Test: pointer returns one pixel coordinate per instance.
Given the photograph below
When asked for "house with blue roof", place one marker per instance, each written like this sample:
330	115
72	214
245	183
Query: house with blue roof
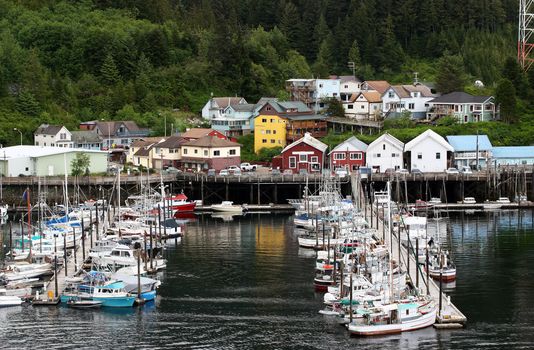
513	155
465	150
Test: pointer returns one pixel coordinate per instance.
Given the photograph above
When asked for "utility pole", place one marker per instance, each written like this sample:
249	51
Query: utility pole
352	66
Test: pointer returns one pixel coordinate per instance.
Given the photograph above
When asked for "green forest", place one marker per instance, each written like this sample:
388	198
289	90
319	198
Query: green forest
71	61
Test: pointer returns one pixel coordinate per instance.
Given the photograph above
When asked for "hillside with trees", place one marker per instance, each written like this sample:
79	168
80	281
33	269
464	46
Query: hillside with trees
71	61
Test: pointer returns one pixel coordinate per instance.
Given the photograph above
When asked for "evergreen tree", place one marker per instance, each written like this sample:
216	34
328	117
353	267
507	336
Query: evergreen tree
323	65
109	71
451	74
27	104
290	23
335	108
513	73
506	98
354	55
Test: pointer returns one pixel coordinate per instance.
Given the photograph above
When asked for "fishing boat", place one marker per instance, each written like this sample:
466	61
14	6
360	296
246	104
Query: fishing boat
110	294
447	273
228	207
21	271
394	318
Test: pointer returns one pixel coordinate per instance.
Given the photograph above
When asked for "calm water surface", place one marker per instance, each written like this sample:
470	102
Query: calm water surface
245	284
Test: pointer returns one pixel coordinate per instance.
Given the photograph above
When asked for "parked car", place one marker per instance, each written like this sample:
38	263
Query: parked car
452	171
224	172
288	172
233	168
237	172
417	172
341	172
465	170
402	171
211	172
172	170
248	167
389	171
303	172
275	172
503	200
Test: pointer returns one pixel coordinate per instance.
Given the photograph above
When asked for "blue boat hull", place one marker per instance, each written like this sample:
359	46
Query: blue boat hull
149	296
106	302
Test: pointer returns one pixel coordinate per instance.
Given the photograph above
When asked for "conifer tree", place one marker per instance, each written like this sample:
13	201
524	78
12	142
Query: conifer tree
109	71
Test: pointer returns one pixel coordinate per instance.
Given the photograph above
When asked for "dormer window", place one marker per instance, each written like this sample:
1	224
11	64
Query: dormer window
391	94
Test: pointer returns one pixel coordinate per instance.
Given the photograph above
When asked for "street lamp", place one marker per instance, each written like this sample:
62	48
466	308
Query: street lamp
20	132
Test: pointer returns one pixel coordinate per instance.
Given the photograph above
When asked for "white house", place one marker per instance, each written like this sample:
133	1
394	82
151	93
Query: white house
386	152
407	98
365	105
53	136
348	86
215	107
428	152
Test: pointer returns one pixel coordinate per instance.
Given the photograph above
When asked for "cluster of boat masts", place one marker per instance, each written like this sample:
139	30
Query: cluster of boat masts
122	262
365	289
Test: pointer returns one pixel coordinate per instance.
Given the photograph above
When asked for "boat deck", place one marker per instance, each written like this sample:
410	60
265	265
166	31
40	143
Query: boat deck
450	314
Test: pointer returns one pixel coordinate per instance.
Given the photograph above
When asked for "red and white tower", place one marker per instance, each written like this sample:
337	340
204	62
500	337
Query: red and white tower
525	41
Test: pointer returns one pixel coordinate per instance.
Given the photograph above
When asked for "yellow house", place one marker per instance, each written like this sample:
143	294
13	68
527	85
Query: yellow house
269	132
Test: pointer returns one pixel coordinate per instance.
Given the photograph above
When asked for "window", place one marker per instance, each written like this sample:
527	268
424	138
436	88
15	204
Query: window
52	144
315	159
391	94
393	155
419	155
320	85
273	141
63	136
350	106
268	132
303	158
321	105
292	162
264	120
206	152
185	150
335	94
378	155
384	147
362	107
339	156
36	143
264	141
272	121
268	108
196	151
438	155
216	153
411	105
346	86
27	169
274	131
356	156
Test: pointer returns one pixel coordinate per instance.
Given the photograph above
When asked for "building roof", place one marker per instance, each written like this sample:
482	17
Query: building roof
378	85
112	127
513	152
429	133
172	142
244	107
85	136
211	141
387	137
29	151
425	90
223	102
196	133
464	143
45	129
309	140
145	141
351	144
372	96
460	97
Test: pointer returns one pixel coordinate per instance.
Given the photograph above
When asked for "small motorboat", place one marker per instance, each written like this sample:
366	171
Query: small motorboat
84	304
9	300
229	207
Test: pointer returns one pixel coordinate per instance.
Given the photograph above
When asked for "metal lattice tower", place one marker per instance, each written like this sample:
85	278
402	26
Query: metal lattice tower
525	42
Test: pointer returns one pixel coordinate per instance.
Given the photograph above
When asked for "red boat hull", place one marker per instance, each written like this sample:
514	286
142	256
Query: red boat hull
184	208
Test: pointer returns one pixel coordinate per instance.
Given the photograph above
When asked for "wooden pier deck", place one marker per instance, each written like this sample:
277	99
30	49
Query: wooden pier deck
449	314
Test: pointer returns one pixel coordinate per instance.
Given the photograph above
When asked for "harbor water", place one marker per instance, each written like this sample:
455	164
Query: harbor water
245	284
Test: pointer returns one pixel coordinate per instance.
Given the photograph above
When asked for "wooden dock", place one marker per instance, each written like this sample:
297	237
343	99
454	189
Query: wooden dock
449	314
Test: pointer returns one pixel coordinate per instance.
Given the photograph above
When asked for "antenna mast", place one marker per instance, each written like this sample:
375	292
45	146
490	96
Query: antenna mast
525	29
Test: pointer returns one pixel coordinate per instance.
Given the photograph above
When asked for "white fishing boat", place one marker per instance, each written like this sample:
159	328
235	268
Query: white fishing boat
21	271
228	207
394	318
9	300
123	256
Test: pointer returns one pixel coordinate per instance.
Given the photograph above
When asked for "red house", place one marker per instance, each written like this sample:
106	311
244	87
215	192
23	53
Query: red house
349	154
307	153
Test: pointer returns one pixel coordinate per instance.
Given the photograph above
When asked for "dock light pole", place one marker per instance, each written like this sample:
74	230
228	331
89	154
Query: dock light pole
20	132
